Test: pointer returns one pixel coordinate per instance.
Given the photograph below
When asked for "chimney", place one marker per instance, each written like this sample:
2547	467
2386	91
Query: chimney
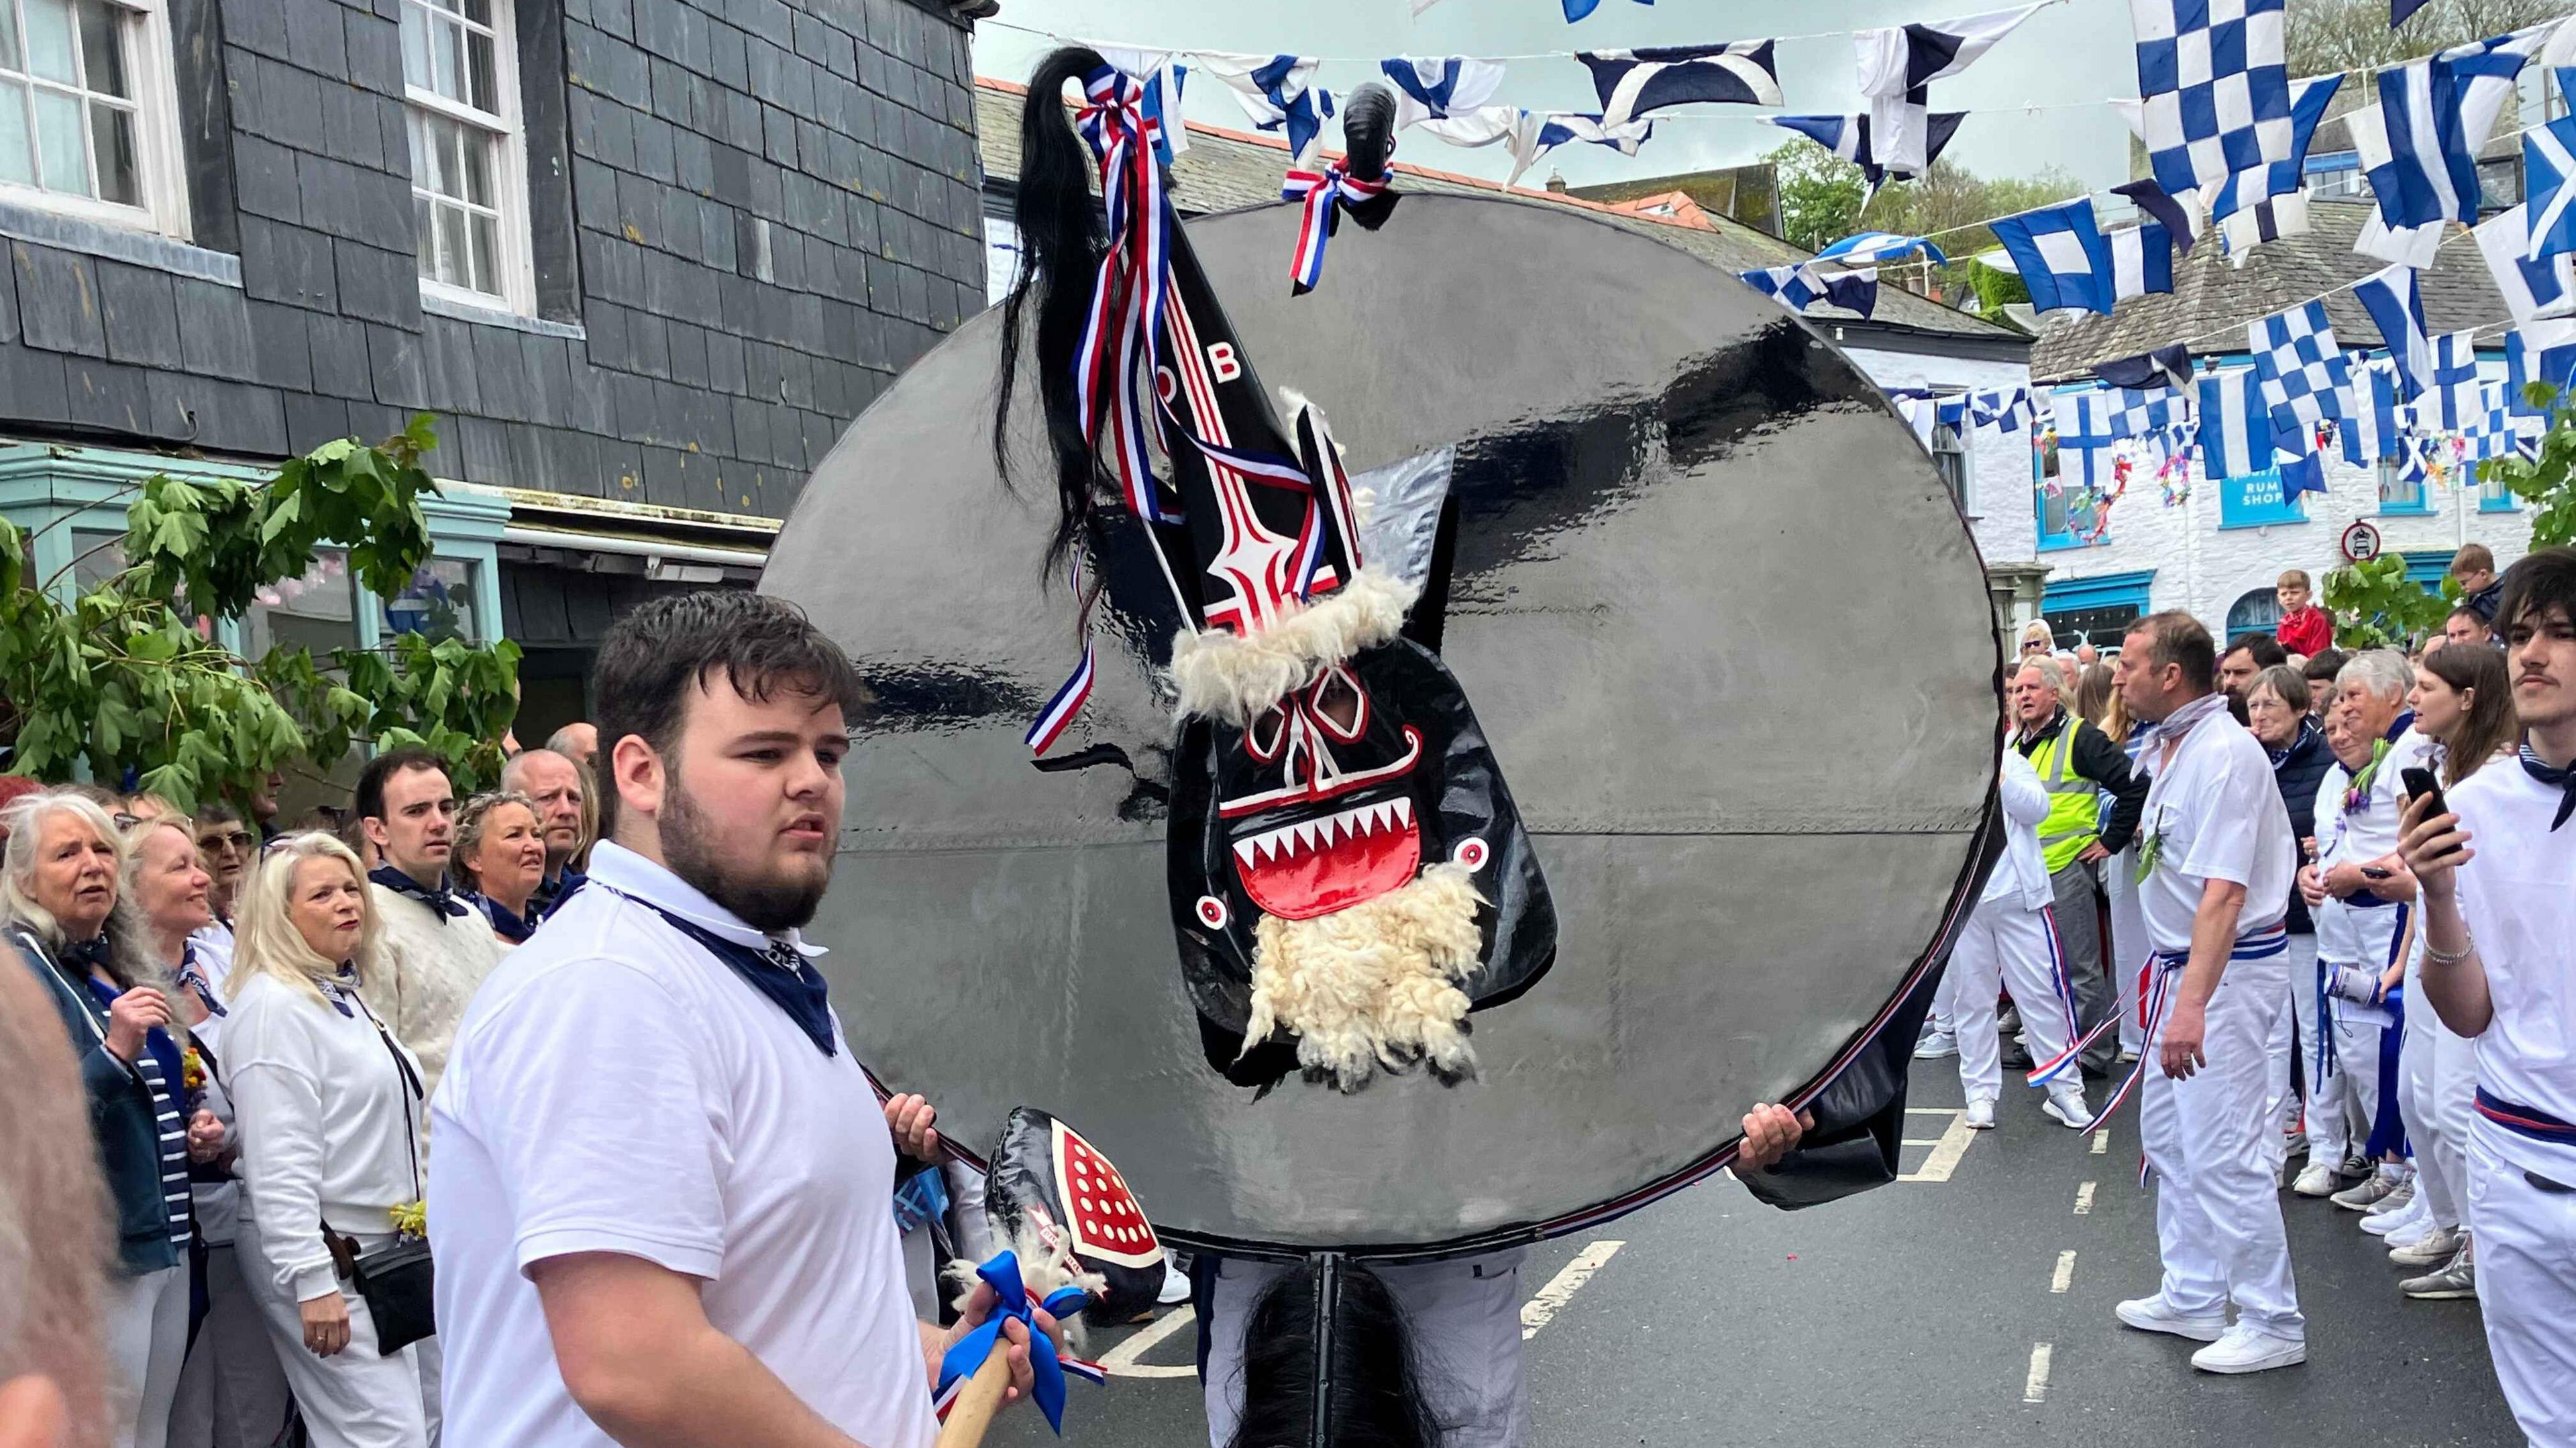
1556	183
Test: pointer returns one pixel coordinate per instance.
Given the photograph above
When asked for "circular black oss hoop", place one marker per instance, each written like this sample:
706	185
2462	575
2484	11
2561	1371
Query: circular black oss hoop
1721	623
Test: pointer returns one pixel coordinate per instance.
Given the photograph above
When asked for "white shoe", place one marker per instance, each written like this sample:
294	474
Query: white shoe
2404	1219
2317	1181
2249	1349
2154	1314
1935	1045
2065	1104
1176	1285
1981	1115
2429	1247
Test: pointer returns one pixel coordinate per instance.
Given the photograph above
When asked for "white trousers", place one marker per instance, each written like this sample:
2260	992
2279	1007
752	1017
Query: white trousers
2343	1091
2526	1286
1465	1316
2213	1150
2002	942
147	1338
232	1393
2129	942
355	1398
2281	1096
2437	1095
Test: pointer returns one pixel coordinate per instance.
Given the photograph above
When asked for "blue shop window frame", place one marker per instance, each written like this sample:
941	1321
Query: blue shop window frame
2255	501
2426	568
2421	506
2063	535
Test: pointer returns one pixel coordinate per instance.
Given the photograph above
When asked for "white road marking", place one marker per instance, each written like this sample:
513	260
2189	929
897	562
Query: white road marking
2084	1200
1120	1361
1946	1152
2064	1277
1943	1111
2034	1389
2102	1141
1561	1288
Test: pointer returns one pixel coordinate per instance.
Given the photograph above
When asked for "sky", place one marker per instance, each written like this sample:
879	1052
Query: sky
2075	50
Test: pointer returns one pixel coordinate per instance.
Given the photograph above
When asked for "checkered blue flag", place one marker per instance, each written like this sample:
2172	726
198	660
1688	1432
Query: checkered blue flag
2303	368
2213	89
1799	287
2277	178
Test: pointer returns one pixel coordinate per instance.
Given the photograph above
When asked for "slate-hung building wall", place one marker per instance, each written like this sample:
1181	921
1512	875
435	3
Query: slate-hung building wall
653	254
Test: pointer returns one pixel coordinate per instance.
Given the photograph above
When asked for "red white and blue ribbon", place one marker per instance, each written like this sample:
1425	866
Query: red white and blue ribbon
1116	363
2044	1072
1047	1371
1324	192
1075	691
2157	980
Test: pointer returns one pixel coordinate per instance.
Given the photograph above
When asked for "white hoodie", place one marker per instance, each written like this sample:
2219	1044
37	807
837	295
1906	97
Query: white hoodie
2023	868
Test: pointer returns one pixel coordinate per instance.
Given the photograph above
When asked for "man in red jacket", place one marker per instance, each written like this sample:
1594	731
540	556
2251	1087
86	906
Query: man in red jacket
2305	628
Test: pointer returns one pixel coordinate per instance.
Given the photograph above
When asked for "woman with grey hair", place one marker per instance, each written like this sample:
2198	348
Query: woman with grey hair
58	886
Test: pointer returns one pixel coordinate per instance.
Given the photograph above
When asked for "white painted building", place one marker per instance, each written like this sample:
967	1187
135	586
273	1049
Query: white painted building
2217	549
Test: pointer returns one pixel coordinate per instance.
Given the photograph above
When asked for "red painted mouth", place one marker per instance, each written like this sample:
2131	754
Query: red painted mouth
1330	862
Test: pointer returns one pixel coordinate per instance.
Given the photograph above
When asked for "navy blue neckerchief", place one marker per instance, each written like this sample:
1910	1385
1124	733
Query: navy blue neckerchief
2307	726
505	924
193	976
780	973
442	902
2554	777
551	894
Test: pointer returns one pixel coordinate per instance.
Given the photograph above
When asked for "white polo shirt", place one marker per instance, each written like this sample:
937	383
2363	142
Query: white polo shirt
616	1088
2518	898
2214	813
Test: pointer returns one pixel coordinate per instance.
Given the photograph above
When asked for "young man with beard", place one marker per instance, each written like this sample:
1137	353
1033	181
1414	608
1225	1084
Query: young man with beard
554	781
2215	885
2498	879
663	1208
440	948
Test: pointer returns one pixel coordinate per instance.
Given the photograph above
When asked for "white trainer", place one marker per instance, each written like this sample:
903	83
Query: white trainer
1935	1045
2317	1181
2154	1314
1176	1285
2065	1104
2430	1247
2406	1218
2249	1349
1981	1115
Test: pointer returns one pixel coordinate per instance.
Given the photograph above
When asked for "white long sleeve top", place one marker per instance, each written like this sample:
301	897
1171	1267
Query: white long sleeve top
2023	870
323	1113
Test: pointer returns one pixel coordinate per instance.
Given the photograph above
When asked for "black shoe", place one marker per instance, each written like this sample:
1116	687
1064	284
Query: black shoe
2015	1058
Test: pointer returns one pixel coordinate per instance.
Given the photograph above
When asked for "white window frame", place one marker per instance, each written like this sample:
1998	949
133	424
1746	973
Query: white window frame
1952	443
516	263
162	171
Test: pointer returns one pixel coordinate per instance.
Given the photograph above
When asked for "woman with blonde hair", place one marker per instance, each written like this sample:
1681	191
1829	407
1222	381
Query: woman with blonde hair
499	861
330	1114
59	879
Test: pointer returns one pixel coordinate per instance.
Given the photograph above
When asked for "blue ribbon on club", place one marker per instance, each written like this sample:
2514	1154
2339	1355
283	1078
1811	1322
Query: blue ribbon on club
1002	1274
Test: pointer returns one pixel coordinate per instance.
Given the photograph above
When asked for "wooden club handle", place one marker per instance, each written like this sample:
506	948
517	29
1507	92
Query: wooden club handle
972	1414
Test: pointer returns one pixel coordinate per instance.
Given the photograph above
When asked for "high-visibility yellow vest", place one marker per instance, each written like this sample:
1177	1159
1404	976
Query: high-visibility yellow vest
2074	802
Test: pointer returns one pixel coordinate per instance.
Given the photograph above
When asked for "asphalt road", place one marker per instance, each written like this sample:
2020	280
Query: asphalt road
1970	1304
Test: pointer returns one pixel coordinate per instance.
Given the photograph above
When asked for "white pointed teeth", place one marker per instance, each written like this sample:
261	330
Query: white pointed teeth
1291	840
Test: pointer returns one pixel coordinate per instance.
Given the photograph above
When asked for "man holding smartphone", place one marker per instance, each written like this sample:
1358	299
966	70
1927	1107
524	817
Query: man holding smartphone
2497	870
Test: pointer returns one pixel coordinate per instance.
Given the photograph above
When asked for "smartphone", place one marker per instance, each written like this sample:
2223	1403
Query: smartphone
2420	781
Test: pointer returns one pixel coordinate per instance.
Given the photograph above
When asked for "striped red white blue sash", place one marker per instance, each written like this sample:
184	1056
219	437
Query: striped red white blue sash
2528	1121
2158	978
1324	192
2043	1072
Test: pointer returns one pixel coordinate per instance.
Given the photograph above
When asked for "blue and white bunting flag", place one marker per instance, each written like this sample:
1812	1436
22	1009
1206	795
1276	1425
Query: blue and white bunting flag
2549	187
1632	83
1530	135
2418	145
2084	435
2294	452
2165	366
1898	64
1430	88
2182	222
2545	288
2452	405
2491	432
1278	92
1579	9
2214	89
2000	408
1849	138
2241	189
1163	75
2303	367
2371	428
2267	220
2141	260
2539	352
2161	414
2062	257
1868	248
2396	304
2235	426
1799	287
2398	10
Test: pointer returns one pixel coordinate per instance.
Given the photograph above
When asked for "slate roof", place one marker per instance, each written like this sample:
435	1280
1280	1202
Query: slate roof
2212	301
1227	170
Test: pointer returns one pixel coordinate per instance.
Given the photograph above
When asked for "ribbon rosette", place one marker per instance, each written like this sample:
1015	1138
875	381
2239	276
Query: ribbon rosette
1002	1274
1325	192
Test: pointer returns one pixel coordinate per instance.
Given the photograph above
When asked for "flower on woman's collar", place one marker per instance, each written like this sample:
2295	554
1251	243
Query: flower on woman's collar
411	1220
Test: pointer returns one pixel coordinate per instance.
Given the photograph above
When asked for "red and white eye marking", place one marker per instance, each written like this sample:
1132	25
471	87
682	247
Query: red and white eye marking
1212	912
1263	738
1471	852
1338	705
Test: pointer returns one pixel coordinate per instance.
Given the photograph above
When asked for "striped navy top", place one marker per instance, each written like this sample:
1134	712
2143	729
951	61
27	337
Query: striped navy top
160	1068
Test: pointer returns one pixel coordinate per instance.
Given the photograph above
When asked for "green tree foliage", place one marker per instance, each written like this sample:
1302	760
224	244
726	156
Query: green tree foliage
1820	193
1824	198
128	676
2549	484
2375	605
2326	36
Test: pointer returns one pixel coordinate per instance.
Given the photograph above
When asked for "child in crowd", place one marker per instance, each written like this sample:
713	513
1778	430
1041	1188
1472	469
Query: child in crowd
2305	628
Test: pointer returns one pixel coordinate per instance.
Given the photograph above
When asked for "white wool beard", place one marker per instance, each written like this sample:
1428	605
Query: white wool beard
1375	984
1234	677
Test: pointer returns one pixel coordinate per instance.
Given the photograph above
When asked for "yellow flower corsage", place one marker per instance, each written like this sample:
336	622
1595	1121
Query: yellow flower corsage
192	1070
411	1219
